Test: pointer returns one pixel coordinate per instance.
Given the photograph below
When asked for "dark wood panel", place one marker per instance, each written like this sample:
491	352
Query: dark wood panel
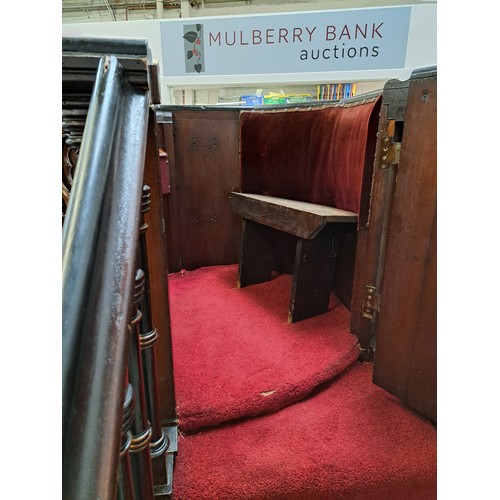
344	267
422	390
204	230
256	262
408	260
369	260
157	263
166	141
313	274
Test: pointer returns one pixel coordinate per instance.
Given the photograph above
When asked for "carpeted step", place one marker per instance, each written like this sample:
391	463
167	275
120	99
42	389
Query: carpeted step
349	440
235	354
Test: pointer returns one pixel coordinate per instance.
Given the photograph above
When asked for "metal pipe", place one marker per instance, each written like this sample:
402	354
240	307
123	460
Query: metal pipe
159	9
185	8
132	6
110	10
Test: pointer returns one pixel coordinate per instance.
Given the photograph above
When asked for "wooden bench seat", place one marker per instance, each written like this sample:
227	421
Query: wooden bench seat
299	218
315	229
322	155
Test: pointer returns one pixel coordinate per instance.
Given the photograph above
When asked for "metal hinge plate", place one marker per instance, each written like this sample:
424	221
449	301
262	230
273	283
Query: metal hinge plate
390	153
164	490
164	117
371	301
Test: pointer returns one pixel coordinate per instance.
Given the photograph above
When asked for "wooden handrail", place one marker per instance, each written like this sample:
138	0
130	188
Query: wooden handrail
113	439
96	313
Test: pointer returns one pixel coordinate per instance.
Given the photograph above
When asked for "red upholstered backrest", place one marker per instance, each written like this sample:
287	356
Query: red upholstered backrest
318	155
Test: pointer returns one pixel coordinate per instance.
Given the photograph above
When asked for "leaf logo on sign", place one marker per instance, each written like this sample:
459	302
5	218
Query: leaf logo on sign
194	37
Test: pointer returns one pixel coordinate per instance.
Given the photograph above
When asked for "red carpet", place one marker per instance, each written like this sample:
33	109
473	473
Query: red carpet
351	440
234	353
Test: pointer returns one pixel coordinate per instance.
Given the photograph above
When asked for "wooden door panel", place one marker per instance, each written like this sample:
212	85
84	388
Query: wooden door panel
421	389
204	231
405	356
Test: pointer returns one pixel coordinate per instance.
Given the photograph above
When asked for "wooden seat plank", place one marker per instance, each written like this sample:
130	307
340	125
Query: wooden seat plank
299	218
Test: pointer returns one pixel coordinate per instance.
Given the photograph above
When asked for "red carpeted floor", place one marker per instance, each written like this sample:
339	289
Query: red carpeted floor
351	440
332	433
236	355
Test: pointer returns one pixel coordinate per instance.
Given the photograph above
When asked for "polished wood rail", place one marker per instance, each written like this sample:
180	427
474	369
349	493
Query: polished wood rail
118	410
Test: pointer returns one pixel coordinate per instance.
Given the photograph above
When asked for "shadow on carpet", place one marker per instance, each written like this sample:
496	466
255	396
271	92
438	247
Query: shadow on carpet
235	355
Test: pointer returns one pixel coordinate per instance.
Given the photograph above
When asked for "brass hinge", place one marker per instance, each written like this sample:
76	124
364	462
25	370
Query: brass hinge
371	301
390	153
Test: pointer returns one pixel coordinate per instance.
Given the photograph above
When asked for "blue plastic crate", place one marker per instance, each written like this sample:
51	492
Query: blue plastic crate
252	100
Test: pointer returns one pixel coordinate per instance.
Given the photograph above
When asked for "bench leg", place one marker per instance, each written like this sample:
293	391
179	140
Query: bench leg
313	275
256	254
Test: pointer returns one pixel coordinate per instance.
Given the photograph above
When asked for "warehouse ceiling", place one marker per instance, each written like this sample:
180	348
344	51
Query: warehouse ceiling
127	10
114	10
149	8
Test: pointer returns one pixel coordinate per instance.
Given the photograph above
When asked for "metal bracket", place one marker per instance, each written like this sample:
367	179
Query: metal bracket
164	116
390	153
371	301
166	489
395	97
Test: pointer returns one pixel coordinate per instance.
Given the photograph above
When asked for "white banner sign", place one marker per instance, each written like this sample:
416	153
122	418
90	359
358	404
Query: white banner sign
337	40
